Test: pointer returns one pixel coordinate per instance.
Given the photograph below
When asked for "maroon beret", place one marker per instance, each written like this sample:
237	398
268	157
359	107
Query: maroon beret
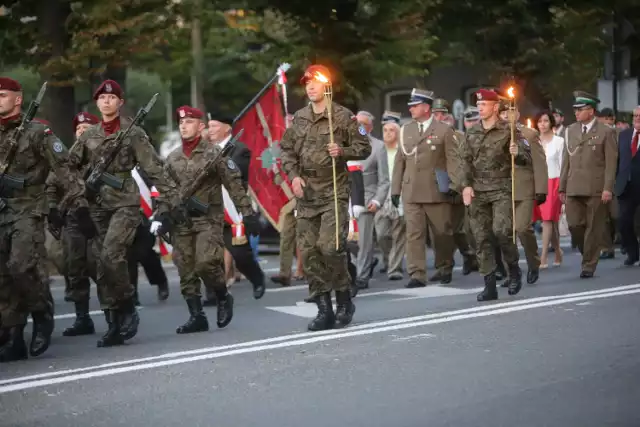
9	84
84	118
108	86
312	73
487	95
187	111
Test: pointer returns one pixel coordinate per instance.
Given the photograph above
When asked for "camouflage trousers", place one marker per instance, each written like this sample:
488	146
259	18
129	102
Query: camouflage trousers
80	264
198	253
116	232
491	212
24	286
287	243
325	266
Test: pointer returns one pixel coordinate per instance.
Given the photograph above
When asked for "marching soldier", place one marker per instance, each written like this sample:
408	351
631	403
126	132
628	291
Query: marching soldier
115	210
198	248
306	158
23	287
531	185
588	173
426	159
486	183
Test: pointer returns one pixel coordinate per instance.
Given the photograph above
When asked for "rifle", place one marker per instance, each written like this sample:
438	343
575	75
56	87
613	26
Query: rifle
8	181
96	175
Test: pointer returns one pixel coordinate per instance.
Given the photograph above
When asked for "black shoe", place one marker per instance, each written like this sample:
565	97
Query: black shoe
325	319
345	309
515	279
259	290
41	335
14	348
362	284
197	320
607	255
374	263
281	280
415	283
445	278
112	337
436	277
532	276
225	310
83	324
129	320
630	260
490	291
163	291
383	270
586	274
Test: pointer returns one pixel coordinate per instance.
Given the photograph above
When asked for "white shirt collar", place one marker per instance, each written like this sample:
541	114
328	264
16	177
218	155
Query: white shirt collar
425	125
224	141
588	125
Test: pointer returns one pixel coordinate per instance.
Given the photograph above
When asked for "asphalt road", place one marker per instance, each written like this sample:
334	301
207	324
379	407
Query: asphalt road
564	352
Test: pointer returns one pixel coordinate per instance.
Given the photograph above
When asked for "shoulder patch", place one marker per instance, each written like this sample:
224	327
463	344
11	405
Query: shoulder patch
362	131
57	147
48	131
231	164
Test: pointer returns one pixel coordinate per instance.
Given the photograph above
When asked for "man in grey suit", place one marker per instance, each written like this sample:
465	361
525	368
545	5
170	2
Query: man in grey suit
375	173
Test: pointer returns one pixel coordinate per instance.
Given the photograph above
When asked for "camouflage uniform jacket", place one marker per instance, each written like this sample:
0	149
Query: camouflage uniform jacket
38	153
305	154
224	172
136	150
485	157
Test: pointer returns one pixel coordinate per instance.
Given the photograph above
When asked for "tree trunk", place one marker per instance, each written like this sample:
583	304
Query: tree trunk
59	103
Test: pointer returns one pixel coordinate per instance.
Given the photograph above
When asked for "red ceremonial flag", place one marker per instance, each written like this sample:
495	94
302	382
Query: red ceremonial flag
264	125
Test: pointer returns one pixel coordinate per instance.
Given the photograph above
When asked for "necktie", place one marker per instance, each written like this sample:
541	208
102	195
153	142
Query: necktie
421	127
634	144
584	130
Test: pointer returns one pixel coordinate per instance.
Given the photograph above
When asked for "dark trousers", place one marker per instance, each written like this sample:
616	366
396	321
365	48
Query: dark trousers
628	203
244	259
142	252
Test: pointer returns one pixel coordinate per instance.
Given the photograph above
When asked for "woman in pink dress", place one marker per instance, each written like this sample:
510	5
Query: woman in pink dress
549	211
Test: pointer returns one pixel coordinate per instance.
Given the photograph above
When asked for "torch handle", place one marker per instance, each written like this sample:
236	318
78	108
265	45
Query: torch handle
335	179
512	123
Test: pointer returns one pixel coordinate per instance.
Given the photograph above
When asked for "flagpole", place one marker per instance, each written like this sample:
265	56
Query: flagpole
285	67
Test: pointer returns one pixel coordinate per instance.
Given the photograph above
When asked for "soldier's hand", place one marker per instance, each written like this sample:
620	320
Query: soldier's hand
334	150
513	149
468	195
395	200
606	196
563	197
85	223
298	184
372	207
541	198
54	218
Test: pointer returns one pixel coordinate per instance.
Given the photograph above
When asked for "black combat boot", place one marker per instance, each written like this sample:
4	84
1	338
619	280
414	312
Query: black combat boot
490	291
197	320
259	290
225	309
83	324
469	265
14	348
42	330
112	336
163	291
345	309
515	279
129	319
325	318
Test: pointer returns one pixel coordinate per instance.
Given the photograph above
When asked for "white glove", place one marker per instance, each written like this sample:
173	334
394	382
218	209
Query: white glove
357	210
155	226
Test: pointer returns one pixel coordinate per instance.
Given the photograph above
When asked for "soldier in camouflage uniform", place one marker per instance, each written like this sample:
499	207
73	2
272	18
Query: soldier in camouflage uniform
486	183
23	287
116	212
306	158
78	261
198	250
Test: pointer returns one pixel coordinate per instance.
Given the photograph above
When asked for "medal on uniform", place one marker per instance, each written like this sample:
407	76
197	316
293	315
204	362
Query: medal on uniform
433	148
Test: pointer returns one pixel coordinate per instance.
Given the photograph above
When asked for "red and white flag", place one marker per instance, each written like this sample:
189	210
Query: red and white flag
145	202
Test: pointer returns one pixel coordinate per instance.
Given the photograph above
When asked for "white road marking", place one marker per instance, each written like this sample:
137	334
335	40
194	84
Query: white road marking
72	315
69	375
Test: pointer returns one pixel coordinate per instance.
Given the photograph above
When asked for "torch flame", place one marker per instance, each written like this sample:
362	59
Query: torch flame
529	123
321	77
511	92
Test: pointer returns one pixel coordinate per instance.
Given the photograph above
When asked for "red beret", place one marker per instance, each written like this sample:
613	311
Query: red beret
187	111
9	84
108	86
487	95
84	118
312	73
